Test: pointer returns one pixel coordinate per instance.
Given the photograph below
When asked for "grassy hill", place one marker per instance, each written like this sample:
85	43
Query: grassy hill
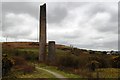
69	60
35	46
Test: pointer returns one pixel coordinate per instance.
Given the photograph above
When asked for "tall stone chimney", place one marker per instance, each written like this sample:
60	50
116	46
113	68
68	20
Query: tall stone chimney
42	35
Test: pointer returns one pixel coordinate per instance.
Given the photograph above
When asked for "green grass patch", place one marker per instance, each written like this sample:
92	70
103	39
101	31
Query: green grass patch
29	49
36	74
107	73
55	69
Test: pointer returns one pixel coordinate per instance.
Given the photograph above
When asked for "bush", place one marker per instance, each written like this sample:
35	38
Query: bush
71	61
7	64
92	65
21	65
27	55
116	62
30	56
19	60
101	60
28	68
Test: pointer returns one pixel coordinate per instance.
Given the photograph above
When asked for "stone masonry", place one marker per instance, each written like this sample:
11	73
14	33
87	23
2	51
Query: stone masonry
51	51
42	37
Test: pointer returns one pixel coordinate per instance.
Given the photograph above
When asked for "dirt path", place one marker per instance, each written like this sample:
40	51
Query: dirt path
61	77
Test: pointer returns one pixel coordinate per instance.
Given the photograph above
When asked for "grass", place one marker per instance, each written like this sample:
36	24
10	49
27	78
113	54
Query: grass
30	49
37	50
107	73
43	74
52	68
60	52
33	53
103	73
36	74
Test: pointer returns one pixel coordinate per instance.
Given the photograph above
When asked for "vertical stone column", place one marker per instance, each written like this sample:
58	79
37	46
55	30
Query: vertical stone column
51	51
42	37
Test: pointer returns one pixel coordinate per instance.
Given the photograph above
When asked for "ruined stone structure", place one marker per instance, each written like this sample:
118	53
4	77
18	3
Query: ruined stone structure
51	51
42	37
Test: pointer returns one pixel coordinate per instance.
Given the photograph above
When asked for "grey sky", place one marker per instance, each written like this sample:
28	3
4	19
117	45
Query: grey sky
82	24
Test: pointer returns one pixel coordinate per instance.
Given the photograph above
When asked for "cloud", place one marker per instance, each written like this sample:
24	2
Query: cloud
82	24
85	30
101	22
20	26
31	8
56	13
0	15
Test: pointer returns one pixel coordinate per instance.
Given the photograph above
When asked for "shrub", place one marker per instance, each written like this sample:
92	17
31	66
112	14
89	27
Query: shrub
21	65
27	55
28	68
30	56
71	61
19	60
7	64
92	65
101	60
116	62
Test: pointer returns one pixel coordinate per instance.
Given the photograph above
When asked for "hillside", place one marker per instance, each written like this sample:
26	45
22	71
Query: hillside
69	60
14	45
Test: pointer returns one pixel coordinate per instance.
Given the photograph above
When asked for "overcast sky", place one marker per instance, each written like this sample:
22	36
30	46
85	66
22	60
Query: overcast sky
86	25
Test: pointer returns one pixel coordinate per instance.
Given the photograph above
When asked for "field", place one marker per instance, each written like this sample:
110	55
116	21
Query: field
68	64
107	73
